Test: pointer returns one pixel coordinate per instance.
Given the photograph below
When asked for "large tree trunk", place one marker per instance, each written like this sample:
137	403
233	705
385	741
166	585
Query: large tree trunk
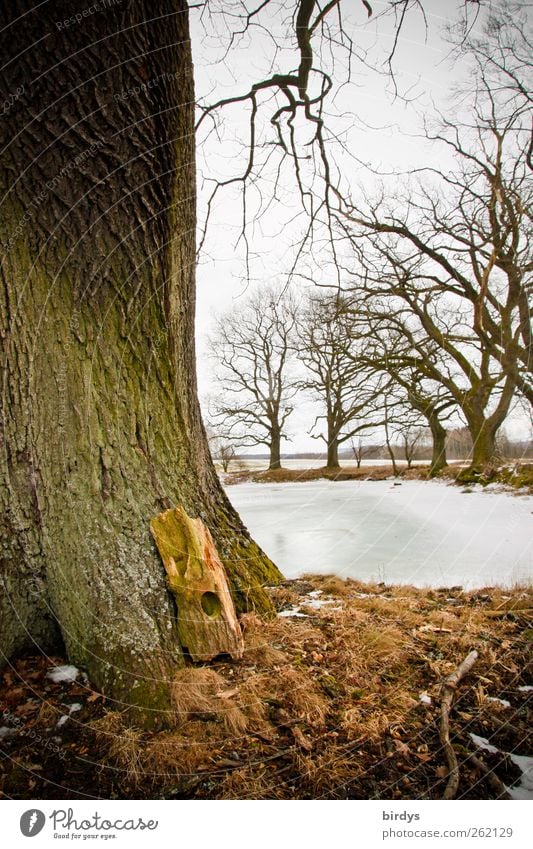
275	449
100	424
483	444
333	454
484	429
438	453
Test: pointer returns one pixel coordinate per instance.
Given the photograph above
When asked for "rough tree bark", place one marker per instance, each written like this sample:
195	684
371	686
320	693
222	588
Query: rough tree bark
100	423
484	449
333	453
438	452
484	428
275	449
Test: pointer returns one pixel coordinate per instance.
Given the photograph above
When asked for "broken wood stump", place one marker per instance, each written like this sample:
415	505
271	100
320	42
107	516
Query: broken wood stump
207	622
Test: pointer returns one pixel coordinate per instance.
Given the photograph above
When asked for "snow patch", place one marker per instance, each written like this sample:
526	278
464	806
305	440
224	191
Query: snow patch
526	688
317	603
290	612
524	789
7	732
483	743
71	709
63	674
503	702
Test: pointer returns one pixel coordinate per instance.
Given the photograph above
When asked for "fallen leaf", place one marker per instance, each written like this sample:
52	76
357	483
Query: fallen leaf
94	696
402	748
301	739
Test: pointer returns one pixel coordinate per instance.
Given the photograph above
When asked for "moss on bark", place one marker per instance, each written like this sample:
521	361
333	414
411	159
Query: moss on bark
101	425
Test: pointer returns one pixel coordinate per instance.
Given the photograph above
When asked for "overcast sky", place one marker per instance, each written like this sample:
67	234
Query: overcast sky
377	127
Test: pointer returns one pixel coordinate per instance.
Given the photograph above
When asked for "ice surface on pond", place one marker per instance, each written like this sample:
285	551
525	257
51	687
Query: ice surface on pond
422	533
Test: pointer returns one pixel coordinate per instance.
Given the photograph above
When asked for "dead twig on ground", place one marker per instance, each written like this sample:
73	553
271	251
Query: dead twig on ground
492	779
448	691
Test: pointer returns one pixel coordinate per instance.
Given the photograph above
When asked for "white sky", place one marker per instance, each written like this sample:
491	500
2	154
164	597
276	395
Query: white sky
422	67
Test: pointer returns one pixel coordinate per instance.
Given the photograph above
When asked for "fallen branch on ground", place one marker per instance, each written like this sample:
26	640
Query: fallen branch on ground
492	779
448	690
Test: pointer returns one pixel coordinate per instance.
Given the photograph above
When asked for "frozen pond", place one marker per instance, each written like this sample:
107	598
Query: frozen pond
422	533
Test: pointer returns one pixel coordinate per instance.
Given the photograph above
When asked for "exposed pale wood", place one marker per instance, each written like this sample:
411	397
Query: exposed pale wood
448	690
207	622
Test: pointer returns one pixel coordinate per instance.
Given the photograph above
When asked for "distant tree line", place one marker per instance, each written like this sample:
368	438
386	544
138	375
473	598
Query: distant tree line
277	349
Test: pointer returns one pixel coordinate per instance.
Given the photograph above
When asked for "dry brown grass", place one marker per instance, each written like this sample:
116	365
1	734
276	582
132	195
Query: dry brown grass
297	692
109	725
201	691
254	782
123	744
182	752
514	475
302	475
318	703
258	648
276	639
335	586
48	714
196	690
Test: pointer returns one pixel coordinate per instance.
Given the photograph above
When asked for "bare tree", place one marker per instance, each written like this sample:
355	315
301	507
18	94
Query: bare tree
335	374
411	437
459	443
290	108
443	350
222	448
388	435
226	454
390	349
253	350
359	450
100	423
453	253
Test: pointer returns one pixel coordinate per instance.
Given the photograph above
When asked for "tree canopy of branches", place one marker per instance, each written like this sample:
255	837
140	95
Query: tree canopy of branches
451	256
289	109
252	348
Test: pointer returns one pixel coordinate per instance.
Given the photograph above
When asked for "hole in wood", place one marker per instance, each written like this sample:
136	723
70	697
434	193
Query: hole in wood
211	605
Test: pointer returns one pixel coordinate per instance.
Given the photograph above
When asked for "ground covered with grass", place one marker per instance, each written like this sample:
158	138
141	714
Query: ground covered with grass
337	696
512	475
